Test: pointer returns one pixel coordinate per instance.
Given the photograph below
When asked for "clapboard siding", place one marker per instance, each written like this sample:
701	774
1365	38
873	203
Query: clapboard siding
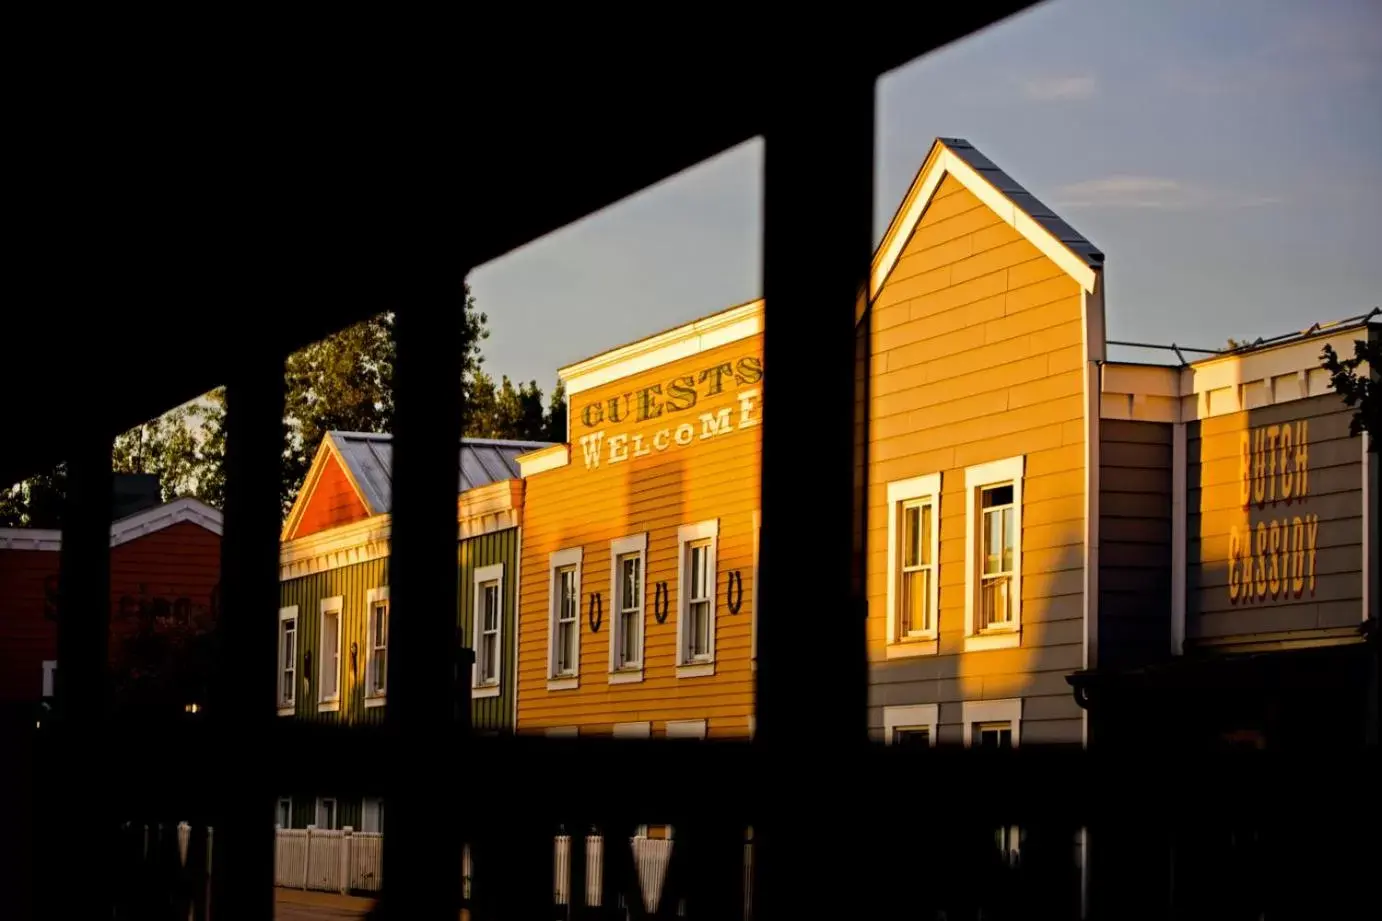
977	355
1134	542
27	636
489	713
334	502
352	583
572	506
1333	504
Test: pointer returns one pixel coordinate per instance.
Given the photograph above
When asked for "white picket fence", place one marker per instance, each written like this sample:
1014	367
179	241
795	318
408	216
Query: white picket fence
331	860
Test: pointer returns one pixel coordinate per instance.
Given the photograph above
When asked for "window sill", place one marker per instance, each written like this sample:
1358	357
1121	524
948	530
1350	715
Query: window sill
908	649
696	670
285	709
329	706
1007	639
375	701
488	690
563	684
626	676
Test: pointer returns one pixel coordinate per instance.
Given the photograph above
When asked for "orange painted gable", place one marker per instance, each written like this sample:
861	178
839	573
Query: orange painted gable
332	501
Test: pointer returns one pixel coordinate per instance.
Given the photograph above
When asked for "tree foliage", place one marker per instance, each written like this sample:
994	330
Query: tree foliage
513	412
1359	389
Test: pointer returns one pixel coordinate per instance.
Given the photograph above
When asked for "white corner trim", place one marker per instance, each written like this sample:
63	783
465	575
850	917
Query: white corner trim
633	730
977	477
557	559
900	491
517	624
941	161
535	462
685	729
483	575
1179	519
623	546
333	605
1092	330
703	530
913	716
992	711
692	338
30	539
372	597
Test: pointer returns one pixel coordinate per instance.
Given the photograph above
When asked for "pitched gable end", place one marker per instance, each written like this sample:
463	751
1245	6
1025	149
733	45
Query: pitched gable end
328	498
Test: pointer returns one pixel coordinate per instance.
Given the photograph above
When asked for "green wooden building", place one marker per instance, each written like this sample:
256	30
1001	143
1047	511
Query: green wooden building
333	650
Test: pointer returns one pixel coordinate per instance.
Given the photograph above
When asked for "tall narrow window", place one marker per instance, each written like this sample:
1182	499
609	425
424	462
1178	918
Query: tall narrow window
326	813
287	659
996	556
627	592
372	814
913	555
696	599
285	812
993	580
564	646
488	630
329	681
377	647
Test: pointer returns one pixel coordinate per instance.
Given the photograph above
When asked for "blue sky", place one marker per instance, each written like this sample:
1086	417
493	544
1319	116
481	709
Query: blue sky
1227	158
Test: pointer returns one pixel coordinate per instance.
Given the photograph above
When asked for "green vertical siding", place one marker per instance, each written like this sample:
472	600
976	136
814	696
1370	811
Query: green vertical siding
492	713
352	583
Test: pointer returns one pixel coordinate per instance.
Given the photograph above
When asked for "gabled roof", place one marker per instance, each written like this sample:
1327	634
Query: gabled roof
367	459
131	527
1022	210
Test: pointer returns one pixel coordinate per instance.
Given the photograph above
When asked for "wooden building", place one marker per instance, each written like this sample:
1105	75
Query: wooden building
333	633
640	540
165	566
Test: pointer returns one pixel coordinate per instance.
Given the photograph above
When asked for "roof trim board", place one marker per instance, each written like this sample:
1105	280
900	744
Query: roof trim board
998	191
129	528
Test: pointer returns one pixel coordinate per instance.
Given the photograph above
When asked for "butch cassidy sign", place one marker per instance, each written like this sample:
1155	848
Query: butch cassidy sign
1274	559
708	403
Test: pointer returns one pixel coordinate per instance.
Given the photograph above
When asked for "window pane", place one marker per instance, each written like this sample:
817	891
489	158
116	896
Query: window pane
911	527
915	600
924	551
998	495
1009	539
381	662
700	626
993	542
629	626
920	738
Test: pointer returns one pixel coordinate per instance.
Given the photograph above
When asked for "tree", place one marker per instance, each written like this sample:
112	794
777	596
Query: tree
1359	390
514	412
35	502
184	447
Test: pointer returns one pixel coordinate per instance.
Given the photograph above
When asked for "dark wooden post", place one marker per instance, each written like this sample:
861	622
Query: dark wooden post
244	680
818	194
82	683
422	851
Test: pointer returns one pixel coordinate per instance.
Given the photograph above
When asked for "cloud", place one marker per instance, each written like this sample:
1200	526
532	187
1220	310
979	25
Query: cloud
1155	193
1060	89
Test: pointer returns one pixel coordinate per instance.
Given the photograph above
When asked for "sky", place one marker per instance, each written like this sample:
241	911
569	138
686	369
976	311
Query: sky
1226	157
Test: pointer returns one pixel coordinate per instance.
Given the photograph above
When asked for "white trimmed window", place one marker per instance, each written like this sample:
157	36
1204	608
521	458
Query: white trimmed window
564	619
50	667
992	723
287	659
285	812
377	646
627	592
372	814
329	681
993	555
910	725
633	730
488	630
913	565
696	580
327	816
685	729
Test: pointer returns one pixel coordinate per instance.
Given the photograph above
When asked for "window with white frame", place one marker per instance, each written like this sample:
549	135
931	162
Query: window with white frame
326	813
993	724
287	659
564	619
377	646
372	814
329	681
910	725
993	553
488	630
285	812
913	557
640	730
685	729
696	580
628	557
